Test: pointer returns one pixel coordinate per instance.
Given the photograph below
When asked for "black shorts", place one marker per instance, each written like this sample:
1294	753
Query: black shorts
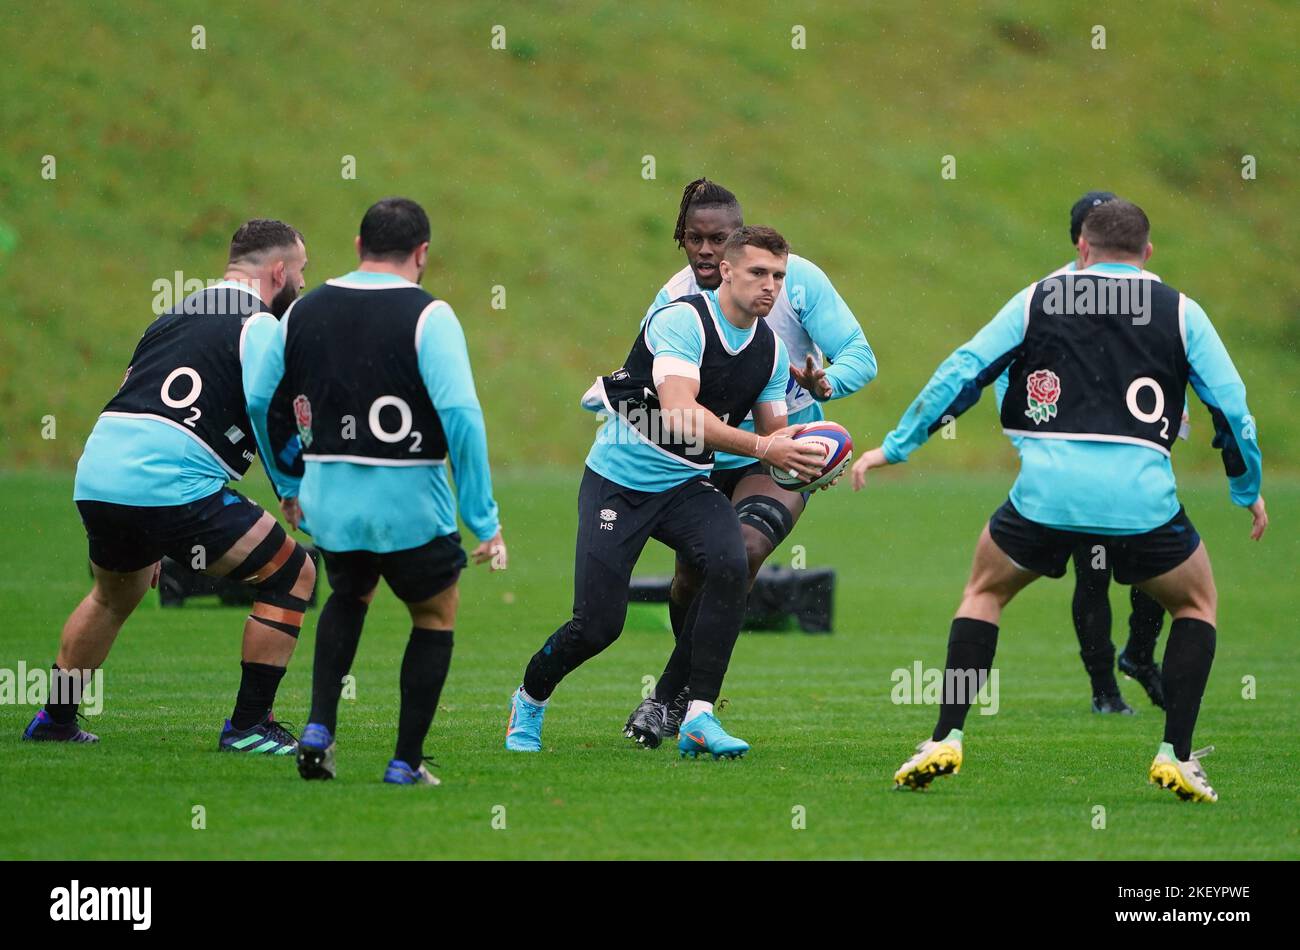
726	480
126	538
413	574
1134	558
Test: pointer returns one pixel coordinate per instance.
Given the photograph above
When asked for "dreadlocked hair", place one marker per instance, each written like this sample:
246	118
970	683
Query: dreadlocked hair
702	193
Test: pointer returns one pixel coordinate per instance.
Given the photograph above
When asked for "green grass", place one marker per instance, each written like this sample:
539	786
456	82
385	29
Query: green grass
817	710
530	159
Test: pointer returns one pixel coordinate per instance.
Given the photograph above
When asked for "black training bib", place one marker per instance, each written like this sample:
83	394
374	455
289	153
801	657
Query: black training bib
351	364
187	372
730	382
1104	360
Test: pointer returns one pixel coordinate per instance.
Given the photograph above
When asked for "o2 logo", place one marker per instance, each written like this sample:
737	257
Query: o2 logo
403	430
1157	411
187	401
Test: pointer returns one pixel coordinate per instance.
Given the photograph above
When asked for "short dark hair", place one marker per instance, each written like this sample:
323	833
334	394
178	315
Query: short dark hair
254	238
1118	226
1083	207
755	235
703	193
392	229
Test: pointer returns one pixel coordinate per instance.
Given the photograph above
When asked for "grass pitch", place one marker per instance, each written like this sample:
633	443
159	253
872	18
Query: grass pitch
817	710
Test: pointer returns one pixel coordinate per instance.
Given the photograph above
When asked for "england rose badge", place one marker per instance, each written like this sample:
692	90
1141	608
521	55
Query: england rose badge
1044	390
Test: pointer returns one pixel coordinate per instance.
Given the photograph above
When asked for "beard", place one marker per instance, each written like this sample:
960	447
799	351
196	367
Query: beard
281	301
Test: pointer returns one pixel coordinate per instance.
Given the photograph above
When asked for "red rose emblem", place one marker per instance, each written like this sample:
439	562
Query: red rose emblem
302	415
1044	386
1044	389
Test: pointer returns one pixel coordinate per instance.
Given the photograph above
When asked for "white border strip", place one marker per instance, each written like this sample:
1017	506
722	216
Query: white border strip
1182	319
419	324
386	285
1090	437
365	460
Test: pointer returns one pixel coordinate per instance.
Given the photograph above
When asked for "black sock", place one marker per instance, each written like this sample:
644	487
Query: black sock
1144	624
971	645
63	686
338	631
1090	610
424	670
1188	657
677	672
257	686
1100	664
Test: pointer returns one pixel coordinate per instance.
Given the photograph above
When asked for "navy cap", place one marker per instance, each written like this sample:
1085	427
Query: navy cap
1083	206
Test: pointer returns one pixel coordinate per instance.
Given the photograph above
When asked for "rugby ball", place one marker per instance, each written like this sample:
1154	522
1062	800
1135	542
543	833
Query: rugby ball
838	445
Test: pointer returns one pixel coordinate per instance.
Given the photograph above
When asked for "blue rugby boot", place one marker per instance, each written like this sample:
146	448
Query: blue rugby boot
524	730
268	737
401	773
316	753
44	729
705	734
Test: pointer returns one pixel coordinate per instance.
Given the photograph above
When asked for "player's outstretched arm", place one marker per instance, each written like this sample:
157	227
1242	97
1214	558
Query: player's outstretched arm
836	331
1217	383
445	368
975	364
872	458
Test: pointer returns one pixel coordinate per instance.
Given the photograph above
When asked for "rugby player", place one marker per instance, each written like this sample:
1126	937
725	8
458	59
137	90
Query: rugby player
152	482
1090	607
815	324
697	365
1095	393
382	393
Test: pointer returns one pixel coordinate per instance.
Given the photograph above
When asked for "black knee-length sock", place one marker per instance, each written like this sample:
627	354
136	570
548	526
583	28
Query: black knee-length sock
1188	658
971	645
424	670
257	687
1144	622
338	631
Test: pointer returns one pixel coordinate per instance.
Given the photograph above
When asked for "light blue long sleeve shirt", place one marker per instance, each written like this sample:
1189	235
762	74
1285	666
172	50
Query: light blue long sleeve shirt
622	454
353	507
808	309
1080	485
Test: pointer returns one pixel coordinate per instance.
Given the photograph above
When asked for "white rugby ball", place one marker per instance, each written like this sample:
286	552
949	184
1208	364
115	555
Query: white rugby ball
838	446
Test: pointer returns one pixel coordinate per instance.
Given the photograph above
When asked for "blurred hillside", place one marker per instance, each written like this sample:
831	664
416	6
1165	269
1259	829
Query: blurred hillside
530	161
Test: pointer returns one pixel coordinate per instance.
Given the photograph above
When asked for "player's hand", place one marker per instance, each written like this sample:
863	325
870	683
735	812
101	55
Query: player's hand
292	512
493	552
812	378
800	459
875	458
157	575
1259	519
832	483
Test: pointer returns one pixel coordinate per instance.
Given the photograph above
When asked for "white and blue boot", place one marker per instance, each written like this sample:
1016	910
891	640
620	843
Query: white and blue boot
524	731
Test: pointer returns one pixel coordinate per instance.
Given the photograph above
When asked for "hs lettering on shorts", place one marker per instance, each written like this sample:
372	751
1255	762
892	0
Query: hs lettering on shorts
134	904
